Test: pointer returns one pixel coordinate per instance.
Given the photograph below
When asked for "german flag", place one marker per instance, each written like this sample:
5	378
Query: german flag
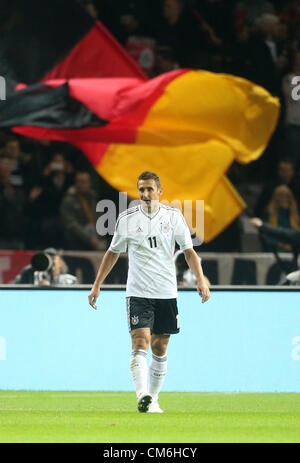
188	126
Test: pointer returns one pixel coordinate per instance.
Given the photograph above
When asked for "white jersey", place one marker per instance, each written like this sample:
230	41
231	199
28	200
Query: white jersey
150	242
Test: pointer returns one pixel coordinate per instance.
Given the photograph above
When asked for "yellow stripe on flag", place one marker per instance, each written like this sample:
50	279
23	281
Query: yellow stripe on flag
200	105
188	172
221	207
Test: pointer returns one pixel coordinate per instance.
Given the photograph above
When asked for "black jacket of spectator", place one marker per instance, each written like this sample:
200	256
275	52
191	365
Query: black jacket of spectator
286	235
261	67
185	38
12	217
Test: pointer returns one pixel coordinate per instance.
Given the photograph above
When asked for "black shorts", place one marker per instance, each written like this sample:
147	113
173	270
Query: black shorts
160	315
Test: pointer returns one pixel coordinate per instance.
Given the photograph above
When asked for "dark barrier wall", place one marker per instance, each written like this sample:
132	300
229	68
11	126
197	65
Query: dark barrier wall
220	268
238	341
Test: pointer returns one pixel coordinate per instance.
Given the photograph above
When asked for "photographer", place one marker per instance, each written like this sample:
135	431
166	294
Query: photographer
47	268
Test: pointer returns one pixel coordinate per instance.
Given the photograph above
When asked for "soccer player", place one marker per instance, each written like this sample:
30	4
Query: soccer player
149	232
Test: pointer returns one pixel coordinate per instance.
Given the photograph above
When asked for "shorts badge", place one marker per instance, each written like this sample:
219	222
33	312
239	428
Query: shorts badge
134	320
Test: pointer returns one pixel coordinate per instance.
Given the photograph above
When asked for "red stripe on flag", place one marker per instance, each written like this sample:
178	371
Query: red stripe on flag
98	54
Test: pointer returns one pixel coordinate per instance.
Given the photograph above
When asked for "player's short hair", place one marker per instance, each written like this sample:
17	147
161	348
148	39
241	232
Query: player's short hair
149	175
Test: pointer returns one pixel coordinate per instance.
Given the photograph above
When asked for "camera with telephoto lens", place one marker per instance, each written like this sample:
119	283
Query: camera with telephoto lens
41	262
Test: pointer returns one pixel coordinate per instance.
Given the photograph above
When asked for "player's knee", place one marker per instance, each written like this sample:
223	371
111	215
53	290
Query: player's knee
140	342
159	350
159	347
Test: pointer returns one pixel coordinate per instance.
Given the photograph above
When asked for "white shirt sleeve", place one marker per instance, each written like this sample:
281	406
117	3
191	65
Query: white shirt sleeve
119	242
182	233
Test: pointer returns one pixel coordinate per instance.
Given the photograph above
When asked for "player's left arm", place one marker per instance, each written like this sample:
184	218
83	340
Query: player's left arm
195	265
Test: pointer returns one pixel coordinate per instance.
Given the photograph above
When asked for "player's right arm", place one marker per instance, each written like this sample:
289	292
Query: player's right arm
117	245
107	263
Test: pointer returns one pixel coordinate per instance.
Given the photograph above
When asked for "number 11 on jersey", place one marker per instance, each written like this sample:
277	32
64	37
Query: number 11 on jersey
152	241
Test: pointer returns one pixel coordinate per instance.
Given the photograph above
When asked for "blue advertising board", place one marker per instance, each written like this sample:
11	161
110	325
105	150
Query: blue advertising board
239	341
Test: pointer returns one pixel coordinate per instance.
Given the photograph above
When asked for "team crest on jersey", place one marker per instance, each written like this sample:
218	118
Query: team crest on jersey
134	320
165	227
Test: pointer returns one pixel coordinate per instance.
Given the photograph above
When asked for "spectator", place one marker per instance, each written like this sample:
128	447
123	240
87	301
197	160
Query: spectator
282	211
91	9
23	172
219	15
46	269
180	30
263	53
43	205
101	9
290	236
291	12
292	111
238	54
286	235
165	60
78	215
11	209
133	18
58	170
285	175
249	10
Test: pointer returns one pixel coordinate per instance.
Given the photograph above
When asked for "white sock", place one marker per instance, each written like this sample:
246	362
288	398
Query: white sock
139	370
157	374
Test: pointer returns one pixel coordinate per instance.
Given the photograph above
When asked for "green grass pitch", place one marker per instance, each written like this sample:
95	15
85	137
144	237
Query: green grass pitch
111	417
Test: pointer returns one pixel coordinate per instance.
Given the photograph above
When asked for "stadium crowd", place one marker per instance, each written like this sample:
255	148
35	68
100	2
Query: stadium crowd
49	191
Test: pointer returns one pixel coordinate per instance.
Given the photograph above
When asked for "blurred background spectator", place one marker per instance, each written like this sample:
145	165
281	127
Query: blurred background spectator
43	206
78	216
263	53
282	211
287	236
23	169
248	11
165	60
285	175
11	208
183	31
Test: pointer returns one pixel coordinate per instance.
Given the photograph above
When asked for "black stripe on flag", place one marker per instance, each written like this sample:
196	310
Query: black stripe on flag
43	106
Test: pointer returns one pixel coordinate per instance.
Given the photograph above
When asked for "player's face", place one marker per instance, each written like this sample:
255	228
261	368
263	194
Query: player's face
149	193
